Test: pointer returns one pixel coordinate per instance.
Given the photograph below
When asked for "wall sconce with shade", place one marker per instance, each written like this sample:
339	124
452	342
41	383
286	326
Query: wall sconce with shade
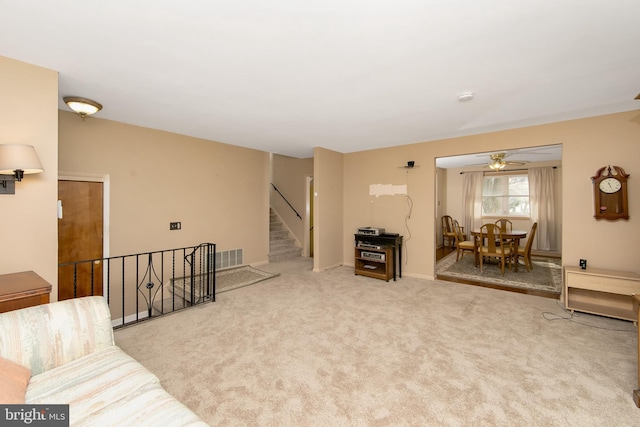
82	106
16	160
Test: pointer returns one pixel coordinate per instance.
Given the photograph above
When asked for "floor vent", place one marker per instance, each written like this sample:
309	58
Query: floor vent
230	258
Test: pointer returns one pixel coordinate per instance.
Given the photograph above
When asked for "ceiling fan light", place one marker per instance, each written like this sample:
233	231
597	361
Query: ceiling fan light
497	165
82	106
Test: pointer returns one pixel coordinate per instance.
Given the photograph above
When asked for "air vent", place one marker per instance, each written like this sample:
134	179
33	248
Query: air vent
230	258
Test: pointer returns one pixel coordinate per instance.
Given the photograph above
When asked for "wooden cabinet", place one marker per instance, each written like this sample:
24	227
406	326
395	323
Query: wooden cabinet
376	263
22	290
603	292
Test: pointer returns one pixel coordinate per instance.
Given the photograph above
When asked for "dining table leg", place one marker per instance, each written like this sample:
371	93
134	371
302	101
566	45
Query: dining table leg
476	251
516	244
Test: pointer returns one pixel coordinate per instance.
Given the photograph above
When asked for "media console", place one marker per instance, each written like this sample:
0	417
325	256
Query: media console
378	256
602	292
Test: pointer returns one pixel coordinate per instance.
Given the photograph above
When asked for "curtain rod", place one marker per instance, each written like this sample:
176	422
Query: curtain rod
508	170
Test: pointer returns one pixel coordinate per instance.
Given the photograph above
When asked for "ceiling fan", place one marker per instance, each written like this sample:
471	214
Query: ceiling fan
498	162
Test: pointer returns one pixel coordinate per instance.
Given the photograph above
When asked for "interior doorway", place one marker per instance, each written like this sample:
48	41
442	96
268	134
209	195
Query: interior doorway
543	281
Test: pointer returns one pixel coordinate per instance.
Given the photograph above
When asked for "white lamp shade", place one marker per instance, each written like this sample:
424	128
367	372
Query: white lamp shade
19	157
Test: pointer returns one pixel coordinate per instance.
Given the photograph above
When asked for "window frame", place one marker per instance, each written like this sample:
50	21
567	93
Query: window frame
506	174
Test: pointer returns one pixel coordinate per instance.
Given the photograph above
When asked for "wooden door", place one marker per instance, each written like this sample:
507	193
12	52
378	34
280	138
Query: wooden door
80	233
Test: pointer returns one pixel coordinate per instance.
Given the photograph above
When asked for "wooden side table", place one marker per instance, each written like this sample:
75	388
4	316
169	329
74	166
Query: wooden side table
21	290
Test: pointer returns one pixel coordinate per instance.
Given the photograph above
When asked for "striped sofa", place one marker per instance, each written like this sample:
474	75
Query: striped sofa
70	351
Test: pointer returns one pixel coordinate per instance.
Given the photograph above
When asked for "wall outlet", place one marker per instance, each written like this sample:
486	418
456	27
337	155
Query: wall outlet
583	264
175	225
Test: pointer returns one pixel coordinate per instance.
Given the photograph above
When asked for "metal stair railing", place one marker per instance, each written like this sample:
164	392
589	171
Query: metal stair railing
145	285
285	199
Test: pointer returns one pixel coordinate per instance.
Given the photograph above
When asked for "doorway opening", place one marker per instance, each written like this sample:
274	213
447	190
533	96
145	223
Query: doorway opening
470	212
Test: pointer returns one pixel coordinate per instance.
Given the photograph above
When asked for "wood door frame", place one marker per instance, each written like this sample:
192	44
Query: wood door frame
105	180
308	217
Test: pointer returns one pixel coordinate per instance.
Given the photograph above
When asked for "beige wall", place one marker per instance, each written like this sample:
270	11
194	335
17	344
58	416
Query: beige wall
29	115
218	191
329	207
405	214
588	144
290	175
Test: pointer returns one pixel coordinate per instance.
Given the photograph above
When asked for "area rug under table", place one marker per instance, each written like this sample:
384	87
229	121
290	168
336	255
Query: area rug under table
546	274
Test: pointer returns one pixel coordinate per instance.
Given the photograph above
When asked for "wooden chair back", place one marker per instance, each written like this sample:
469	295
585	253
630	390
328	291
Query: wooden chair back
447	230
532	234
504	224
460	237
495	247
526	251
462	243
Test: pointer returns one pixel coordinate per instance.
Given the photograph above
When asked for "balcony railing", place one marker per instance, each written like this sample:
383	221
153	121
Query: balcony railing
145	285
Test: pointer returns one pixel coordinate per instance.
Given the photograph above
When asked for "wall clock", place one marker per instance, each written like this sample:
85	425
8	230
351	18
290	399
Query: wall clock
610	193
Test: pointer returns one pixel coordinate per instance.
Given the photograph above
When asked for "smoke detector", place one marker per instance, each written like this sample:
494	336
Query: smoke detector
465	96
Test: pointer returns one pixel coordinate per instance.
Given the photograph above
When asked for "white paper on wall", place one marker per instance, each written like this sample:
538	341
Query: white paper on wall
387	190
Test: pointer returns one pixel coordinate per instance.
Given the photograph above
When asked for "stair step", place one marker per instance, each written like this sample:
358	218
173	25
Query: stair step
278	234
275	226
284	255
281	246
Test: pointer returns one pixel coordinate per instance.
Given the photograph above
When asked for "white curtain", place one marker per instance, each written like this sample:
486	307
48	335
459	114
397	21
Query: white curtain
472	200
541	199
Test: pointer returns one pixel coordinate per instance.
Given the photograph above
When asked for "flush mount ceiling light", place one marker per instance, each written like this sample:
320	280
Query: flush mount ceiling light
465	96
82	106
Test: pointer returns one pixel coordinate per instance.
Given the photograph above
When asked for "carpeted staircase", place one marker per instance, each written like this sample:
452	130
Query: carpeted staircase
282	246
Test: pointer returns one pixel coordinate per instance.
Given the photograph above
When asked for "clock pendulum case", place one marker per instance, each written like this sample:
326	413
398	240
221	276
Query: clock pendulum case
610	193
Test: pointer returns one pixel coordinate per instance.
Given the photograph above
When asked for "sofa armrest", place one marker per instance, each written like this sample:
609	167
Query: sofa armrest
49	335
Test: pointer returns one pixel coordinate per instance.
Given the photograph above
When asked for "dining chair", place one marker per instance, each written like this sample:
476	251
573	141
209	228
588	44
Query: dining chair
525	252
462	244
493	233
447	231
505	225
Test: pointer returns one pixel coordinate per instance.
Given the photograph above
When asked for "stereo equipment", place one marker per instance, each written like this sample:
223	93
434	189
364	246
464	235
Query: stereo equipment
373	255
370	231
369	246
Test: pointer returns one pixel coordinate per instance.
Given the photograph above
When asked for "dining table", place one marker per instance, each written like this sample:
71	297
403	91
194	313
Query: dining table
514	235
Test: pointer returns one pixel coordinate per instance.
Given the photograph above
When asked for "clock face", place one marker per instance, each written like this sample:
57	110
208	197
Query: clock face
610	185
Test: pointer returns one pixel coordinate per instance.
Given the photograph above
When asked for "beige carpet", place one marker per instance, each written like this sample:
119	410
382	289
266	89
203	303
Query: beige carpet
332	348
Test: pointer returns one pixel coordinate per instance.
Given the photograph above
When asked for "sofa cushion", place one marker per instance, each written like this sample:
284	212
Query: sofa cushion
14	379
91	383
49	335
150	407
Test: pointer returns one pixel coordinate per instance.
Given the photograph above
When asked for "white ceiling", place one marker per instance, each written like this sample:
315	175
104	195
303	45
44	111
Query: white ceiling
519	155
285	76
